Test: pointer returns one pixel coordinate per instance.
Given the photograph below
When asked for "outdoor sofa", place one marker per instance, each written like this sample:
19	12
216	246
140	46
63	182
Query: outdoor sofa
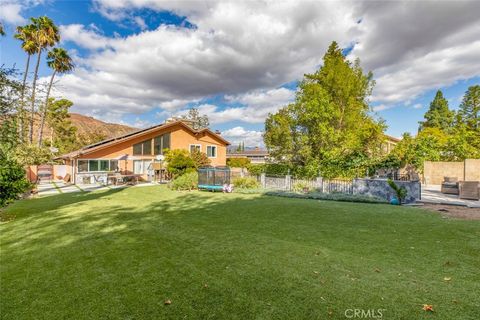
450	185
469	190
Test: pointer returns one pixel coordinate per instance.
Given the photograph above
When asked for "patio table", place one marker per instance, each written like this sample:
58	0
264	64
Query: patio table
121	177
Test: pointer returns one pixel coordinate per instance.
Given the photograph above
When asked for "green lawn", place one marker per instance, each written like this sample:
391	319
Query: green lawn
120	254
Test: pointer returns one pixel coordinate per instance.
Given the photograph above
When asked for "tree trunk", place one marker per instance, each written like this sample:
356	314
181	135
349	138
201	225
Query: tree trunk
22	101
45	109
32	108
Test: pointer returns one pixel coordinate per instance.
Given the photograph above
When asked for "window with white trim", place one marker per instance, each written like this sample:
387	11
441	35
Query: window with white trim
195	147
212	151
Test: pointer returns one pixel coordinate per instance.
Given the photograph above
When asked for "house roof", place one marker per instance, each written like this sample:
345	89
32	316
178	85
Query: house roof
393	139
248	153
129	136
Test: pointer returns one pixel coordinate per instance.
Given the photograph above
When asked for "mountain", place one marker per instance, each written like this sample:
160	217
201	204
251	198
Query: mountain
87	125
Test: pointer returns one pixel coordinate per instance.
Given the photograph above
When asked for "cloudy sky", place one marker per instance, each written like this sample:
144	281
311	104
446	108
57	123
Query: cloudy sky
141	61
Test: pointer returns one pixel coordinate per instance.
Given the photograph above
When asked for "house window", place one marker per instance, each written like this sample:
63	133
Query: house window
82	165
143	148
93	165
137	149
195	147
104	165
160	143
166	141
114	165
212	151
96	165
147	147
141	166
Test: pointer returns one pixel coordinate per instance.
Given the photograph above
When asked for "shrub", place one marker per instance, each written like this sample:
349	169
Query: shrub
13	181
301	187
179	162
327	196
246	183
400	191
187	181
200	159
238	162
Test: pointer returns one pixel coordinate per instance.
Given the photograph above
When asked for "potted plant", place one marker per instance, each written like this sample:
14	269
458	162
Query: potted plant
401	192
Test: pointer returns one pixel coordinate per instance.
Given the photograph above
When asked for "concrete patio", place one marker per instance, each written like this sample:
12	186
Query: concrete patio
432	194
49	188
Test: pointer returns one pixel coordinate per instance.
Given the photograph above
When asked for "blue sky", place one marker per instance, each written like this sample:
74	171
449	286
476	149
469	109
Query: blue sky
139	62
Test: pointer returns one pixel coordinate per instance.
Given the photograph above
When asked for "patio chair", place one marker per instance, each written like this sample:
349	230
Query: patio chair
450	185
469	190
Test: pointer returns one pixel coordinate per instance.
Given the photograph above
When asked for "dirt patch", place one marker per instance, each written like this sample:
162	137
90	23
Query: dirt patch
451	211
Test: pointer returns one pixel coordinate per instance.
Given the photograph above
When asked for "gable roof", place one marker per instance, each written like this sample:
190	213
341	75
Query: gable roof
129	136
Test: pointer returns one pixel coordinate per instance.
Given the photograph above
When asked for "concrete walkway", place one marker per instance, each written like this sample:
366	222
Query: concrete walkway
432	194
58	187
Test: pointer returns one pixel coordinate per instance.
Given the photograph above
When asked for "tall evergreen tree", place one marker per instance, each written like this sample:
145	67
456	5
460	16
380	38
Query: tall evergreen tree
438	115
329	124
469	111
198	121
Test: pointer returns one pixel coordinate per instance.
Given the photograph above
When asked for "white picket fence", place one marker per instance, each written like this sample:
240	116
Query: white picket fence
289	183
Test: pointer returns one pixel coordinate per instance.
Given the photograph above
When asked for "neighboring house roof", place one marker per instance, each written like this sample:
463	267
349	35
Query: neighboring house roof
129	136
392	139
247	153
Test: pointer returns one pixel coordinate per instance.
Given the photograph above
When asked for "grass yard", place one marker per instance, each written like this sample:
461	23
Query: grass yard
120	254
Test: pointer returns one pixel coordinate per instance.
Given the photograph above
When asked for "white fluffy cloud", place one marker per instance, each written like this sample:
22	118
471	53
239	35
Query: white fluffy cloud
415	46
254	106
246	50
237	135
88	38
11	10
236	47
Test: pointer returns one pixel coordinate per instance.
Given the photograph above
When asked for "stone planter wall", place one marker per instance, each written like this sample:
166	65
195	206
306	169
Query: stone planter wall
380	188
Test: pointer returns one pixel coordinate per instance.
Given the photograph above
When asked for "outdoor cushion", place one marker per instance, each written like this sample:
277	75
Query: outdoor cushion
470	190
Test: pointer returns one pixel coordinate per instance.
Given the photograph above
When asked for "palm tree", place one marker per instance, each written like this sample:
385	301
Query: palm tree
45	34
59	60
25	34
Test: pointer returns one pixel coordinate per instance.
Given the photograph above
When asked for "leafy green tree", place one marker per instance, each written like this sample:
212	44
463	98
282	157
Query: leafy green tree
469	111
2	31
179	162
10	90
44	34
60	62
329	126
438	115
198	121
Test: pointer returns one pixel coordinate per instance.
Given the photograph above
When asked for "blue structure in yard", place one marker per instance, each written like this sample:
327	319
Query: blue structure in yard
213	178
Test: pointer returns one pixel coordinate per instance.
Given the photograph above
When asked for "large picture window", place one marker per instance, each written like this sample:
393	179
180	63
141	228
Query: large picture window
97	165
